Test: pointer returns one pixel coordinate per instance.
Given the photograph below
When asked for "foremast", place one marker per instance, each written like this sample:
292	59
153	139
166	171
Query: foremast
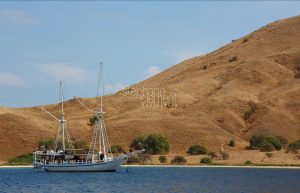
60	145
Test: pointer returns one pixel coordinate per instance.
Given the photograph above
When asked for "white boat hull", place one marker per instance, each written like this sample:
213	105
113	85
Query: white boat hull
108	166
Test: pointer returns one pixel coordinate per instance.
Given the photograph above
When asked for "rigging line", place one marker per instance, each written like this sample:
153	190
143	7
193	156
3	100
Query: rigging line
44	110
88	109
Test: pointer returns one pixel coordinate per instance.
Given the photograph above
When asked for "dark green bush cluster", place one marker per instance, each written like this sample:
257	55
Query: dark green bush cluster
178	160
197	150
266	143
163	159
206	160
153	144
21	160
93	120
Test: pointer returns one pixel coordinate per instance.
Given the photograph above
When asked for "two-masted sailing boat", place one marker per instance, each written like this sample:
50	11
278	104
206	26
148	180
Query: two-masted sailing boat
64	158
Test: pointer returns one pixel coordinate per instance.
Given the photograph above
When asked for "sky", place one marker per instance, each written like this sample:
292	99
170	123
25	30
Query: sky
42	43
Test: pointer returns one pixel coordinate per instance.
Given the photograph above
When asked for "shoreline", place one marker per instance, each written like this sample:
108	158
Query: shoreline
179	166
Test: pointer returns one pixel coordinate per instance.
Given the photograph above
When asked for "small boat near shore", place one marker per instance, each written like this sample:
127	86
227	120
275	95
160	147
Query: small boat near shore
64	158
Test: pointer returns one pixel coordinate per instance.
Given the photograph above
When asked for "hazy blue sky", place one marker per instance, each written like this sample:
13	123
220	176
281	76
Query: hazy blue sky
44	42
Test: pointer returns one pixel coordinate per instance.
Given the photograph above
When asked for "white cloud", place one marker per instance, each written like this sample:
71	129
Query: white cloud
63	71
110	88
16	16
181	55
151	71
10	79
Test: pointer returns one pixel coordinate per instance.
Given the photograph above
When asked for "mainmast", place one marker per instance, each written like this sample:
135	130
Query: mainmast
62	116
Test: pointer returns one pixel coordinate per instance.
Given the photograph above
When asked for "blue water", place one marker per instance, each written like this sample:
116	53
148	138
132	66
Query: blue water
154	179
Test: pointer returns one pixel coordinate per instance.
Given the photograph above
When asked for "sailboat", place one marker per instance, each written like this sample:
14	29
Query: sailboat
63	157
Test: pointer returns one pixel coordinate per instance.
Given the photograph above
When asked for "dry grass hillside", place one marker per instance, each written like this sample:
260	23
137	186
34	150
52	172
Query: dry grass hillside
243	88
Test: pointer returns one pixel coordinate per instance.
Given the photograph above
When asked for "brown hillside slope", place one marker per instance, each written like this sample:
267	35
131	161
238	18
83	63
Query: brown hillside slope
245	87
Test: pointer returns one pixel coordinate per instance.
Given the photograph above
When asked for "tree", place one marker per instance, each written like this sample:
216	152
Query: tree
156	144
197	150
138	143
265	143
178	160
274	141
163	159
93	120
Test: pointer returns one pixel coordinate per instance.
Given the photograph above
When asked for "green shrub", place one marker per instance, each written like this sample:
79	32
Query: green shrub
117	149
265	143
93	120
138	143
163	159
206	160
197	150
21	159
274	141
178	160
156	144
231	143
247	162
267	147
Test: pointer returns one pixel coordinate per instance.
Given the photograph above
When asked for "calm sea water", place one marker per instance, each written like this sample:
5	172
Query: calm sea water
154	179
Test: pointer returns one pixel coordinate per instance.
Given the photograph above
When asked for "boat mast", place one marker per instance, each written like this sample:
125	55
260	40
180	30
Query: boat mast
100	114
62	117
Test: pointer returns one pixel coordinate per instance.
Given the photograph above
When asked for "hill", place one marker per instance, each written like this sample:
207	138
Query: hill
243	88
